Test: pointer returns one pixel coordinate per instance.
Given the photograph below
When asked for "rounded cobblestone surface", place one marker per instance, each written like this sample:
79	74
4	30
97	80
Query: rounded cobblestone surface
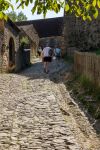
30	113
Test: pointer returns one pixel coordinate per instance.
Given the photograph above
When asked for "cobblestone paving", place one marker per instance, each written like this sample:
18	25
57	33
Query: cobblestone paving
30	116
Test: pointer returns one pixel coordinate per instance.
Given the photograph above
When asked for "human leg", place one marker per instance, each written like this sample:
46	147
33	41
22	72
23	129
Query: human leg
44	66
46	61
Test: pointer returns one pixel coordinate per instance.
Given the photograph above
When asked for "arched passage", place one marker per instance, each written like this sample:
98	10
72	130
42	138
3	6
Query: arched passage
11	52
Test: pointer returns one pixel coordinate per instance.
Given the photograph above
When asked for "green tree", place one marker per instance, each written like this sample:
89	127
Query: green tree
21	17
14	17
87	9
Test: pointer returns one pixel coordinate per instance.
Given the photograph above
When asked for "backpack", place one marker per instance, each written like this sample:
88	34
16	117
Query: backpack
50	52
58	54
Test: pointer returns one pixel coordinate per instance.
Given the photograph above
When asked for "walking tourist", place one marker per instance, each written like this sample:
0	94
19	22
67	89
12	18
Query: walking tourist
57	52
47	54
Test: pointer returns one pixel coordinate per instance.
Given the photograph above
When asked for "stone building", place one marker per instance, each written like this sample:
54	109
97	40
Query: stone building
33	36
12	56
49	31
9	46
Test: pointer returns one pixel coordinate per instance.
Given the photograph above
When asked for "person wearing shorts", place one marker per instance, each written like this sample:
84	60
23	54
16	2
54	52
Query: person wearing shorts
46	58
57	52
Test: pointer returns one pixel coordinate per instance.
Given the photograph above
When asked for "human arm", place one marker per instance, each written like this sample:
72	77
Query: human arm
42	55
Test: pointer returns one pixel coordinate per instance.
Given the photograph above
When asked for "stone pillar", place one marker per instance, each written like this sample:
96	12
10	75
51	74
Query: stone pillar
2	44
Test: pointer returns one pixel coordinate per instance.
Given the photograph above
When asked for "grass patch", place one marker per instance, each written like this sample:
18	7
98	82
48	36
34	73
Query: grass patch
98	52
86	84
86	93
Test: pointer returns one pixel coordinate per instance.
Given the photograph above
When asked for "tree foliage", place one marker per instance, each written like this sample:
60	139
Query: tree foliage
14	17
87	9
4	5
21	17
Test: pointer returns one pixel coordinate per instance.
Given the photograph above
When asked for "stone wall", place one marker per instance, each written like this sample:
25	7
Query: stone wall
10	32
31	32
7	31
80	35
11	59
1	43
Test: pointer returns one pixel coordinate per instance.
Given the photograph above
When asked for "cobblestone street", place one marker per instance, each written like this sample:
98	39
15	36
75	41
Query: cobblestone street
31	116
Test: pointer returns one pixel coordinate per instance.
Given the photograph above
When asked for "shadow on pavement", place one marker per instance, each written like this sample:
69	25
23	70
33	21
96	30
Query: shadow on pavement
35	71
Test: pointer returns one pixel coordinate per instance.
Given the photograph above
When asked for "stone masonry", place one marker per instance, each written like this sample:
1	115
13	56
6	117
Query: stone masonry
1	42
31	32
81	35
11	53
7	32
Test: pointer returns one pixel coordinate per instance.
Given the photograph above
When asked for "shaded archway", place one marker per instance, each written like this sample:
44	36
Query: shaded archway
11	52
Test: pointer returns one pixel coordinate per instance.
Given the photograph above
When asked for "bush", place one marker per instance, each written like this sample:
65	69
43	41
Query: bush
87	84
98	51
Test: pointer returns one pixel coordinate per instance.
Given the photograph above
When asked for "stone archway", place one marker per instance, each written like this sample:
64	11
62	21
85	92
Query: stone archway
11	52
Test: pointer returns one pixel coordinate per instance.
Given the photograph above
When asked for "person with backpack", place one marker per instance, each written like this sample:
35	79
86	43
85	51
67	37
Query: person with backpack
47	54
57	52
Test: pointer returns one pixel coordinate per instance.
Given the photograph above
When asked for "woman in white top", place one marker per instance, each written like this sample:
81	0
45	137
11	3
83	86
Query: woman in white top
46	58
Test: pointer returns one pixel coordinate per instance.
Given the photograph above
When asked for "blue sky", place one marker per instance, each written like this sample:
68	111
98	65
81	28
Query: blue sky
27	12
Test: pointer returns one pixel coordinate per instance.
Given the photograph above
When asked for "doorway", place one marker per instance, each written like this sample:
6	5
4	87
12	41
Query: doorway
11	52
